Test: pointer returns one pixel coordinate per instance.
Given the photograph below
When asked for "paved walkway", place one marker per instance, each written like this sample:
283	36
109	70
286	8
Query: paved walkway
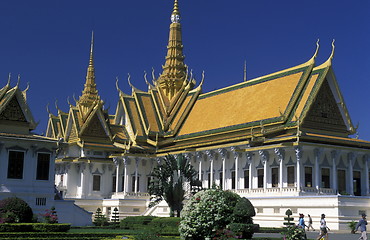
333	235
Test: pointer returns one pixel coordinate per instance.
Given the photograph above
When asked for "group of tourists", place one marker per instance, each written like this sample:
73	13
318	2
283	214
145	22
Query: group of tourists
323	234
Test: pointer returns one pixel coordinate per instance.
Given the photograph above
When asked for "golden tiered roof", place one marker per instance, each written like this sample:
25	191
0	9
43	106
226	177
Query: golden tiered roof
174	75
90	95
301	103
87	123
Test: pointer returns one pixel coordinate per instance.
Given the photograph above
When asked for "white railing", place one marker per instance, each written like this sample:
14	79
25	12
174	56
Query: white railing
123	195
138	194
320	191
285	191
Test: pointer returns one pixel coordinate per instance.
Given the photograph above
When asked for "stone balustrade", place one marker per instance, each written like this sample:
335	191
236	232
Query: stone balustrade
287	191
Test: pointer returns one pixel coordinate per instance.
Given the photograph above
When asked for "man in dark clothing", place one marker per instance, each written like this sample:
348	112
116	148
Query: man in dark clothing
362	225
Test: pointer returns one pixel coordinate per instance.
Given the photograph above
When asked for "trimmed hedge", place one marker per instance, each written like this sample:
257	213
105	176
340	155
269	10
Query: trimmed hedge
34	227
270	230
136	222
162	225
166	225
56	236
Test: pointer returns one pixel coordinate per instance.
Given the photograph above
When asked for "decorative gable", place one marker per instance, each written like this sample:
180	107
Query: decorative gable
324	113
73	134
94	128
13	112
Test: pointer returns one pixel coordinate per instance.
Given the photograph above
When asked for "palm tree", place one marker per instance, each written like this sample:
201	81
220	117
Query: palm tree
169	180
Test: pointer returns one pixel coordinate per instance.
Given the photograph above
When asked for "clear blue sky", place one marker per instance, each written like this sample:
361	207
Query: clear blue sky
48	41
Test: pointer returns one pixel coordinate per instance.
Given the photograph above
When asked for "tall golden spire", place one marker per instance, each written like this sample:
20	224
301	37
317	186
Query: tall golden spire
174	70
90	93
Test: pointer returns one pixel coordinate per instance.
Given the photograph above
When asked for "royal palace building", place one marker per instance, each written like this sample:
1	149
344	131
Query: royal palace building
27	160
282	140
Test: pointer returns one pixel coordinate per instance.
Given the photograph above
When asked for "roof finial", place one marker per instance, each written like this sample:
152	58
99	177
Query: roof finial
245	71
329	61
117	87
47	109
19	79
56	104
317	48
69	102
129	80
90	93
312	60
175	16
332	50
9	77
91	62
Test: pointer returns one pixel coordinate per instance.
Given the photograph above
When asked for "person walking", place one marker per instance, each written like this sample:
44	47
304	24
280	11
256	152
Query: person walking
301	222
309	223
323	229
362	225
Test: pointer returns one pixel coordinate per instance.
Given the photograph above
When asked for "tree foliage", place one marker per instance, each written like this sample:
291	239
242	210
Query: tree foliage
170	180
14	209
244	211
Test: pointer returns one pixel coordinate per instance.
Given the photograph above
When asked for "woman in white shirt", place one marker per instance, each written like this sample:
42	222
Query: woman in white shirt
323	228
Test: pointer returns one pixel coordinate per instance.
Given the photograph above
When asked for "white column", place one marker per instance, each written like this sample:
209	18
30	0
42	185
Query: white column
85	185
281	155
237	155
211	156
223	153
117	163
366	162
199	156
125	184
200	170
317	153
249	156
298	153
350	174
334	155
264	158
136	173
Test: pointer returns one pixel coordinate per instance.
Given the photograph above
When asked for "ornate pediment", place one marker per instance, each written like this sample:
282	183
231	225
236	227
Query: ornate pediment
13	112
324	112
94	128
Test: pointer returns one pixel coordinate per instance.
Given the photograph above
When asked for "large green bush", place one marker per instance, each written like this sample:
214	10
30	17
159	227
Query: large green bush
242	223
207	212
14	209
243	211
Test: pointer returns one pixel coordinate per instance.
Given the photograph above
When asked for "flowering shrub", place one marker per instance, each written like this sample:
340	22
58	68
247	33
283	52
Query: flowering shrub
206	213
50	216
294	233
